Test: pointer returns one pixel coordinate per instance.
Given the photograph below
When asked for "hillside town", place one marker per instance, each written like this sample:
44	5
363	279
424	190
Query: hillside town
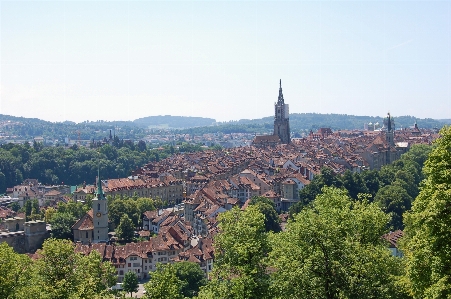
199	186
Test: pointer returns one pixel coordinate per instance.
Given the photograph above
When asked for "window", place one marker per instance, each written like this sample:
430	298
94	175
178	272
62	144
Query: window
98	206
129	264
145	267
87	235
121	272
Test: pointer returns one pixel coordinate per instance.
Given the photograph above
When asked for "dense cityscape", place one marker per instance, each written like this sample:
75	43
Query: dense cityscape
225	149
187	219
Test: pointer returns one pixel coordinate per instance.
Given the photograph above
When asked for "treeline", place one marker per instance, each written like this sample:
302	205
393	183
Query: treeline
75	165
28	128
66	214
304	122
393	187
170	121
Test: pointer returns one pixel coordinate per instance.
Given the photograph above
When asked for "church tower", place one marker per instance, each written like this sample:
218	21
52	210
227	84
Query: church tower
389	137
100	214
281	118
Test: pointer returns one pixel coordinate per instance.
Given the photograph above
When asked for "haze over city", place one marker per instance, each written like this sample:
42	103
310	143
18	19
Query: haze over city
122	60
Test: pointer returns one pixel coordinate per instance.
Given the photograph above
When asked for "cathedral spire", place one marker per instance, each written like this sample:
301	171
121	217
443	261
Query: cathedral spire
389	122
280	100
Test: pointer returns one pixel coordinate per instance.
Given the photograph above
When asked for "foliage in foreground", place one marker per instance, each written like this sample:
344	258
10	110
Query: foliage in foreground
58	273
334	249
241	250
427	245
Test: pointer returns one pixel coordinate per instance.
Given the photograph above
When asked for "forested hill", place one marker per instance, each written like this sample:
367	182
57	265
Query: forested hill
12	127
313	121
169	121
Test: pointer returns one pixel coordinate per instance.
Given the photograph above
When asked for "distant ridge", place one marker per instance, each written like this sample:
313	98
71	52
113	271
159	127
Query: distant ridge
22	128
174	122
313	121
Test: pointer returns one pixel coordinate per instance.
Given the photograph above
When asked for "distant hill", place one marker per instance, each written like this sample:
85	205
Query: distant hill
300	122
169	121
305	121
21	128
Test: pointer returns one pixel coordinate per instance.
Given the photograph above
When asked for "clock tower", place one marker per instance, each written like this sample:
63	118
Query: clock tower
100	214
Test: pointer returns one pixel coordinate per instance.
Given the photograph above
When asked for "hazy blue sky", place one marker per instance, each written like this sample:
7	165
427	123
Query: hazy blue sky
121	60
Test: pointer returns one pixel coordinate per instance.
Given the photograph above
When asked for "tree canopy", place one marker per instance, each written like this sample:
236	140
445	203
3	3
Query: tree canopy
164	284
333	249
427	244
58	272
130	283
241	250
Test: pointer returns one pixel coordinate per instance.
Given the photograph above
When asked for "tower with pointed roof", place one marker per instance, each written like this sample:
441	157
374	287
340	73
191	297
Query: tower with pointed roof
390	132
100	214
281	118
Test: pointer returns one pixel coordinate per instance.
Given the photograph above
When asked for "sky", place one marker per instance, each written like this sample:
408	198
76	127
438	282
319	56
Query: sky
123	60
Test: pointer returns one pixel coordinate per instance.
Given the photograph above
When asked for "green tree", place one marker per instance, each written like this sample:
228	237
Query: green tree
191	276
354	183
125	230
93	276
120	207
15	206
241	249
145	204
164	284
266	207
406	181
62	225
418	153
61	273
333	249
130	283
2	182
27	208
55	269
427	243
394	200
14	268
371	179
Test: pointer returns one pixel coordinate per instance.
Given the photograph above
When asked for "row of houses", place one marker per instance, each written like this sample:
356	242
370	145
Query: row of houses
174	243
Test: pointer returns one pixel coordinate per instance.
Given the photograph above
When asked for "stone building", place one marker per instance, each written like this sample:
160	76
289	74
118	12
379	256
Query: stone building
281	118
24	237
281	134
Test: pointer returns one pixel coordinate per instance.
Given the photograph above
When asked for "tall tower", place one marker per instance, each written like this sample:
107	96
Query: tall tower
281	118
100	214
390	134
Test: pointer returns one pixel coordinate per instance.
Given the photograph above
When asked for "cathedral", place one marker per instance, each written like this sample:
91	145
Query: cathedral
281	118
281	132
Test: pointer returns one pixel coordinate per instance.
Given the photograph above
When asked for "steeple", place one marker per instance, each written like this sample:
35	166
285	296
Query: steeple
389	123
100	214
281	118
100	194
280	100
